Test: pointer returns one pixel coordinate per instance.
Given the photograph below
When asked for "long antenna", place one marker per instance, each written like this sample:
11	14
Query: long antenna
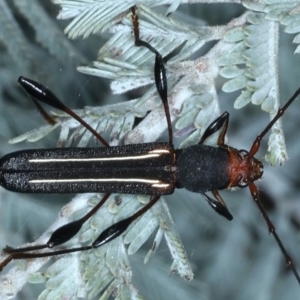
256	144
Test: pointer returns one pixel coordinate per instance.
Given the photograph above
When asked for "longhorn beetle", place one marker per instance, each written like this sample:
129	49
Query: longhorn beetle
152	168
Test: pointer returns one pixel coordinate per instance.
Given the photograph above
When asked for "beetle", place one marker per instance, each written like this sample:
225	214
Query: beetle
151	168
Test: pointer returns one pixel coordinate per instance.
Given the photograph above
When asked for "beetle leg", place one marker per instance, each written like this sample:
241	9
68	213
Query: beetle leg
219	122
218	207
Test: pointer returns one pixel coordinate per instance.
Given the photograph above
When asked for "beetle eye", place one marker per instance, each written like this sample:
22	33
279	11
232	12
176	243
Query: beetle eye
243	183
243	153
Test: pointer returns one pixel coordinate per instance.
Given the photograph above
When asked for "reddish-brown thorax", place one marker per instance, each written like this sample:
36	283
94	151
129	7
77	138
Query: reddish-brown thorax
243	168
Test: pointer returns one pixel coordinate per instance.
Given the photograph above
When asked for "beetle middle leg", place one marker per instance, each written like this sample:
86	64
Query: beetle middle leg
219	204
219	122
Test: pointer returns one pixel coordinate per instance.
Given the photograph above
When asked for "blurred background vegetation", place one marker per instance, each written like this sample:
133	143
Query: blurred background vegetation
237	260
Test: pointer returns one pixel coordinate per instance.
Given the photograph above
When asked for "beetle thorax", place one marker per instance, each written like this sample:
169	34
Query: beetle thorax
243	168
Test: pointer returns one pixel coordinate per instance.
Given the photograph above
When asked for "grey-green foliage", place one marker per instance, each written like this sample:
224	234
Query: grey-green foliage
246	53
